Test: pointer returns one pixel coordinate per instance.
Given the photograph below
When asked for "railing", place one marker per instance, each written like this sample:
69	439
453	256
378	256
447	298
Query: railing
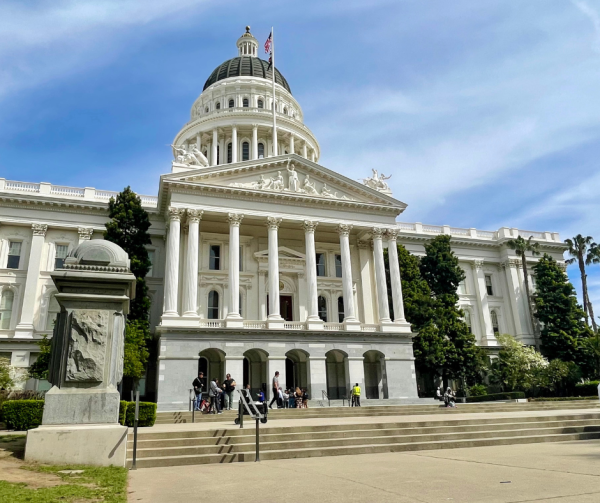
407	227
333	327
105	194
534	235
60	190
255	324
369	328
298	325
456	231
486	234
325	396
434	229
22	186
212	324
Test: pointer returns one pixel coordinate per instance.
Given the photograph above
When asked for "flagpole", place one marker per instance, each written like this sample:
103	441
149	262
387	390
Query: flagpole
274	103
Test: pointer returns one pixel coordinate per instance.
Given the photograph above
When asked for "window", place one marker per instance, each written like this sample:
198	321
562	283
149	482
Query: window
241	258
241	309
322	304
285	110
213	305
218	152
320	264
14	255
495	326
151	259
468	321
341	309
488	285
338	266
245	151
53	310
260	104
6	305
245	102
218	106
206	110
214	261
462	287
261	151
61	255
231	103
229	152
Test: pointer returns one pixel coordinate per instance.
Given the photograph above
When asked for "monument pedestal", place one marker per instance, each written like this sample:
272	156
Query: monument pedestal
88	444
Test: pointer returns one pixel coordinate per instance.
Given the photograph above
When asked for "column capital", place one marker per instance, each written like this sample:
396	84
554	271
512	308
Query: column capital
39	229
235	219
377	232
310	225
85	233
254	126
234	128
194	216
273	222
392	234
344	229
175	214
477	264
363	245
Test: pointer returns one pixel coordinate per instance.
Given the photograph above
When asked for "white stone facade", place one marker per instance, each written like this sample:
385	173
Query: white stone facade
225	235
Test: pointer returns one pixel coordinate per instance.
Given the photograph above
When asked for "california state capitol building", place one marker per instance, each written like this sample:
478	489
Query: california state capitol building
262	259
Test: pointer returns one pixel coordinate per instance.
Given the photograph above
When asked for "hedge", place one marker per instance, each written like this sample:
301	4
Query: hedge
562	398
122	411
147	414
513	395
588	388
22	414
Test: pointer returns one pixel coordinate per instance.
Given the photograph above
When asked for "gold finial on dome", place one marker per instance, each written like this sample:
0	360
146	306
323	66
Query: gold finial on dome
248	29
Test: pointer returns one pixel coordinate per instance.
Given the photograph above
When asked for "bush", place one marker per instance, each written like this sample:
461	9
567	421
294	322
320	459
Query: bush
22	414
562	398
513	395
478	390
122	412
147	415
587	389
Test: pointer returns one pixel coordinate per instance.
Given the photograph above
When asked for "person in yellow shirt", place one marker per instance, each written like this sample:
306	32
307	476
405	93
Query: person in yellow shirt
356	395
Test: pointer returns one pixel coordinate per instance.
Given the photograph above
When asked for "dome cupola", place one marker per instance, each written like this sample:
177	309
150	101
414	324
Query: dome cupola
247	44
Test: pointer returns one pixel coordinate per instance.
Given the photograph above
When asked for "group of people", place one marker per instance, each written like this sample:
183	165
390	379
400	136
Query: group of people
449	397
220	395
288	398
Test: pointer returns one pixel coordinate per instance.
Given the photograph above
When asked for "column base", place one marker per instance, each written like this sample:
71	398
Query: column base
317	324
178	321
24	331
191	316
275	323
352	325
234	320
397	327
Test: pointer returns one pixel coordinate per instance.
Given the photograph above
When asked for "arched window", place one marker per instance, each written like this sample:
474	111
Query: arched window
206	110
218	106
53	310
6	305
218	154
245	151
245	103
322	303
468	321
229	152
260	104
231	103
261	151
285	110
495	325
213	305
341	309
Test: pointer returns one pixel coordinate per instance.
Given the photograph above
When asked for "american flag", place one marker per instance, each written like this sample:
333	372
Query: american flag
268	43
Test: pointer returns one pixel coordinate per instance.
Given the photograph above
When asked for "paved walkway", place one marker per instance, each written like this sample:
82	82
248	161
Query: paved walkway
567	472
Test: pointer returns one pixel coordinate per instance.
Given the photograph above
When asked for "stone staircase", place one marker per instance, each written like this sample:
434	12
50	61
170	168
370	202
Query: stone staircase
195	447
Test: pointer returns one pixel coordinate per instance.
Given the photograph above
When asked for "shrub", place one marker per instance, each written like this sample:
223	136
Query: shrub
22	414
122	412
562	398
513	395
478	390
587	389
147	415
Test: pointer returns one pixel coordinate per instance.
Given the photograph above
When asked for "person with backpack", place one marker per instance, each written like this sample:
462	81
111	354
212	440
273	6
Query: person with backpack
214	393
228	391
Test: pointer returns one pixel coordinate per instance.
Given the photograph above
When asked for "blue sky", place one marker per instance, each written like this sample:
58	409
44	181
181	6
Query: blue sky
486	113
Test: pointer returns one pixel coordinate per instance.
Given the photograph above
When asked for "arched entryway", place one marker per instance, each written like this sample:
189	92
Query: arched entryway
336	364
296	369
255	370
375	377
212	363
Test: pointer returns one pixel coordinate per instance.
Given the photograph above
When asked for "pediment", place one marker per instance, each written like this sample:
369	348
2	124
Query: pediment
291	176
284	253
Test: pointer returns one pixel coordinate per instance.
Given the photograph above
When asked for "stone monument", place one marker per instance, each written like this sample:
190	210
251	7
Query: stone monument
81	412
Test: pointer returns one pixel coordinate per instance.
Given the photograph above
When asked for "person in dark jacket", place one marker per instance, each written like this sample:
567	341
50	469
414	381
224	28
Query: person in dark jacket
198	385
228	391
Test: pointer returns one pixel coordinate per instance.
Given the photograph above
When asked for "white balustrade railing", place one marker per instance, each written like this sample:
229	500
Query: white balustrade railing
486	234
105	194
294	325
66	191
406	227
22	186
212	323
456	231
433	229
364	327
255	324
534	235
333	327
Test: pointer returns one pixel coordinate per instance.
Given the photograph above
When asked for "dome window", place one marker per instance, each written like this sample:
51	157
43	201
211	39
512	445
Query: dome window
261	151
245	151
260	104
231	103
218	106
229	153
206	110
285	111
245	102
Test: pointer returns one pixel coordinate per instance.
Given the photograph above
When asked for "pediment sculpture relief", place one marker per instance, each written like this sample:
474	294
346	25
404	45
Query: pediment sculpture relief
294	185
378	182
191	157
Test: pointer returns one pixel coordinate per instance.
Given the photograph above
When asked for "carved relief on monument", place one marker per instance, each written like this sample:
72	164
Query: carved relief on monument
87	345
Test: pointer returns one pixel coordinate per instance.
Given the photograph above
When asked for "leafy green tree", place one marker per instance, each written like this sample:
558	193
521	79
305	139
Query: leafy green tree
518	367
136	353
39	369
584	252
6	381
521	247
565	334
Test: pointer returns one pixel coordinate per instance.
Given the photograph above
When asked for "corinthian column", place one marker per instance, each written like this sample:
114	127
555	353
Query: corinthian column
382	296
274	314
190	276
392	235
172	263
349	314
234	267
313	320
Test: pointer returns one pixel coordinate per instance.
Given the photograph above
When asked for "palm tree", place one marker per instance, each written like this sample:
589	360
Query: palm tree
585	252
521	247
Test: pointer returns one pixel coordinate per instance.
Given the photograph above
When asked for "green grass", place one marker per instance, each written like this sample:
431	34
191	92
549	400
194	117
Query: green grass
11	438
105	484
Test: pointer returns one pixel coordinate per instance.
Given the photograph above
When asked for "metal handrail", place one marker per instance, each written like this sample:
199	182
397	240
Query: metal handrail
325	396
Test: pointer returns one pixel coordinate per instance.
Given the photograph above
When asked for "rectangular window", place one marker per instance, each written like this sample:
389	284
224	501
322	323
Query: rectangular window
14	255
338	266
151	258
61	255
241	258
320	264
6	305
488	285
462	287
214	261
245	151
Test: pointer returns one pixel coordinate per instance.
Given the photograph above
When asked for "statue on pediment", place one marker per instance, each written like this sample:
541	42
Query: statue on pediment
378	182
191	157
293	181
309	187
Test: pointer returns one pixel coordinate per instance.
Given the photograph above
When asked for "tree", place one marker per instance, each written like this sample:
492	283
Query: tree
585	252
6	381
565	334
128	228
521	247
518	367
39	369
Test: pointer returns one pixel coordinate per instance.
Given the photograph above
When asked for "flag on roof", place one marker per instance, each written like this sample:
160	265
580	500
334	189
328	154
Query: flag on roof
268	43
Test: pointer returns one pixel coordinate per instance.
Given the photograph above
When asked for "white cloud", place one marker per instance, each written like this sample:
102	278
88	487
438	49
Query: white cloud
594	17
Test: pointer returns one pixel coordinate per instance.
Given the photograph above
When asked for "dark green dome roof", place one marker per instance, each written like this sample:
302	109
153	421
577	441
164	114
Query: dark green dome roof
245	66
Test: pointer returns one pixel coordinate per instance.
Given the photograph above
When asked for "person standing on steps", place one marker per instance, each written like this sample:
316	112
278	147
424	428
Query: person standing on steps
197	385
275	389
356	395
228	389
